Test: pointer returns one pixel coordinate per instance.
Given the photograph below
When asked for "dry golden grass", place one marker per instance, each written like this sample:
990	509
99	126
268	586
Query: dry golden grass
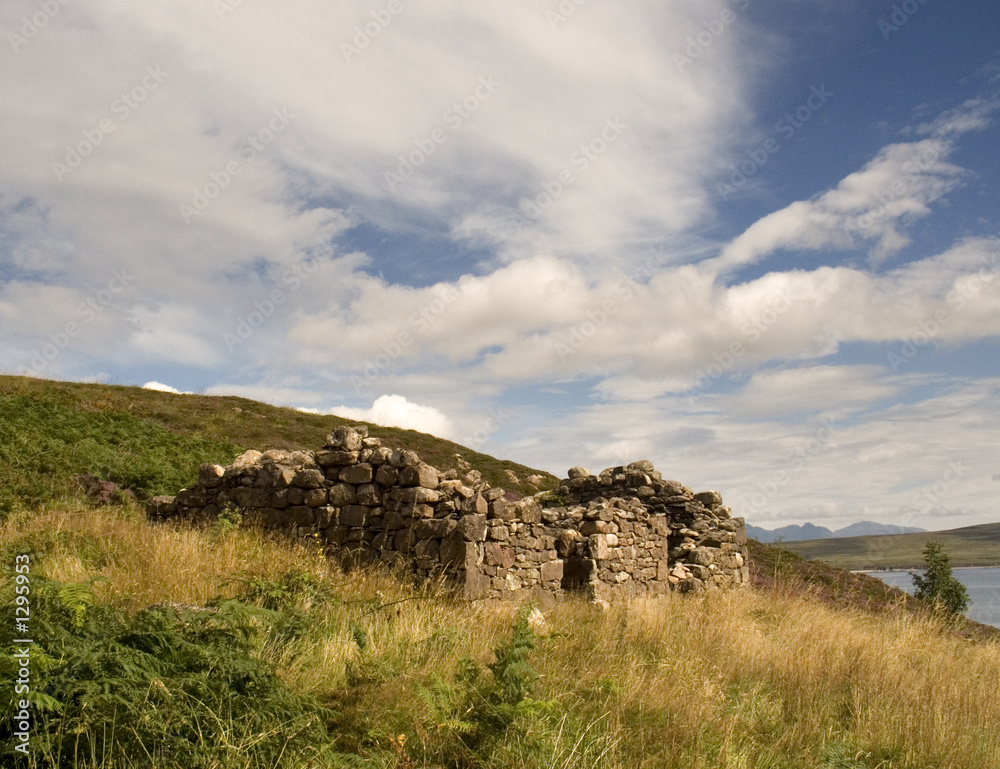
738	680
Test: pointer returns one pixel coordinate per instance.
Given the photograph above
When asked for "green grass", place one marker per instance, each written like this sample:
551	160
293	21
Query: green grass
305	665
223	648
968	546
152	442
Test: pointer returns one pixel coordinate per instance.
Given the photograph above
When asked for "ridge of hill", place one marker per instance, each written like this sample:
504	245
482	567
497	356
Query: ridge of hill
152	442
977	545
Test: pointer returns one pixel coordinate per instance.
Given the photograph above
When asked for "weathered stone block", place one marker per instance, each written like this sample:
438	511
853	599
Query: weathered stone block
503	509
354	515
331	458
428	549
357	474
394	520
434	527
161	506
701	556
337	535
476	504
418	511
299	515
528	510
308	479
473	527
210	476
245	496
710	499
325	517
343	494
496	554
369	494
387	475
419	475
599	548
345	438
194	497
315	497
404	458
459	554
551	571
587	528
416	495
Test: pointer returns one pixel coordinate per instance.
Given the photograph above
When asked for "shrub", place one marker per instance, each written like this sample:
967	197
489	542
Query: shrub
937	585
170	686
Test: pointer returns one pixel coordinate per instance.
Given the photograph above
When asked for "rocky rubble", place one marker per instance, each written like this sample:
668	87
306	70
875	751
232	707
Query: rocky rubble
624	531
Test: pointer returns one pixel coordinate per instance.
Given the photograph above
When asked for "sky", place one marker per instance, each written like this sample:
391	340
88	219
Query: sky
756	242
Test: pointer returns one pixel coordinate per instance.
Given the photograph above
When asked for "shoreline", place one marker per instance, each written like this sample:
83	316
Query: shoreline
916	568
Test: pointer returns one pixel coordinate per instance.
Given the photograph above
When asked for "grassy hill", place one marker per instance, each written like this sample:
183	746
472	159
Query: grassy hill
169	647
967	546
152	442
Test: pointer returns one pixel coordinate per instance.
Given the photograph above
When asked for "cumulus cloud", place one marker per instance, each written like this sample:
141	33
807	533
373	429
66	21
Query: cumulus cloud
163	388
397	411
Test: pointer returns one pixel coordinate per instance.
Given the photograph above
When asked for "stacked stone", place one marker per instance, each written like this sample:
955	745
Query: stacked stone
368	502
622	532
520	552
705	546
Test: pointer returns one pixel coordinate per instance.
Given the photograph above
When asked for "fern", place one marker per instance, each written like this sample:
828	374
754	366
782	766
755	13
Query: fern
76	597
182	686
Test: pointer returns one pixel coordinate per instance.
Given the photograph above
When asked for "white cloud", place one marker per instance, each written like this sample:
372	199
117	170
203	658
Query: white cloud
868	206
397	411
163	388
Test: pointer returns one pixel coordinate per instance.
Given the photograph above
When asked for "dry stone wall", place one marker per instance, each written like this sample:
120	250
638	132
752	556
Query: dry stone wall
625	531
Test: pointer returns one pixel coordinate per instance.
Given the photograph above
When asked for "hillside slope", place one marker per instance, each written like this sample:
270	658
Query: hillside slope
152	442
967	546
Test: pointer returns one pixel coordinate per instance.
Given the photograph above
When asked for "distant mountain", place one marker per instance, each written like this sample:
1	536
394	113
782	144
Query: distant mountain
797	533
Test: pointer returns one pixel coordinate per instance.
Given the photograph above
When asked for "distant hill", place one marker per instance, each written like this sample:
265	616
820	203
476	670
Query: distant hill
967	546
151	442
806	531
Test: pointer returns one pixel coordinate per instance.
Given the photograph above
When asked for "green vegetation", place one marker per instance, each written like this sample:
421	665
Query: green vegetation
223	648
968	546
219	647
152	442
937	585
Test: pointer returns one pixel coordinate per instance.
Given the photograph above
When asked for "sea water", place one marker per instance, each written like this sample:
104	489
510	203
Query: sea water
983	586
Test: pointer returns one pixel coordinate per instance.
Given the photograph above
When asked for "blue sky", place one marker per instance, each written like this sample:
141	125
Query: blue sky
754	242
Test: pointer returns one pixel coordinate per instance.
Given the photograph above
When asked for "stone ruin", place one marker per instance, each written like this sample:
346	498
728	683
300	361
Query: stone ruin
623	532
